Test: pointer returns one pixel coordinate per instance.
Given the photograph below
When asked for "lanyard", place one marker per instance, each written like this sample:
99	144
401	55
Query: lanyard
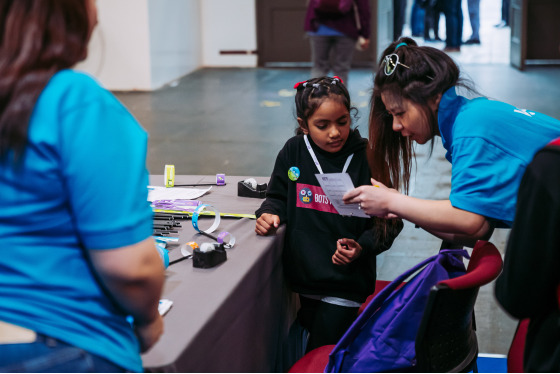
317	161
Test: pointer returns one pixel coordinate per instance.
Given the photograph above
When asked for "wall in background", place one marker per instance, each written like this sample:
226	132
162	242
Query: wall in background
228	25
119	48
145	44
175	44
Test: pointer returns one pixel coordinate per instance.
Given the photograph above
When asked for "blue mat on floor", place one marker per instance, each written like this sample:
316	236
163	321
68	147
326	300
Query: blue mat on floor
491	363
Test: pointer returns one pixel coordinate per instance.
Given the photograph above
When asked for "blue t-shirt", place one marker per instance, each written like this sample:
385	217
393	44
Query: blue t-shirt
82	186
489	144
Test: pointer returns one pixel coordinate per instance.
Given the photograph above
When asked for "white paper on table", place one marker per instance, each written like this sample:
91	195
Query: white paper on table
335	185
174	193
164	306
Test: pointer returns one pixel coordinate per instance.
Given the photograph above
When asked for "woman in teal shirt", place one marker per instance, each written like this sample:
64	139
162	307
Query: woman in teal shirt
76	254
489	144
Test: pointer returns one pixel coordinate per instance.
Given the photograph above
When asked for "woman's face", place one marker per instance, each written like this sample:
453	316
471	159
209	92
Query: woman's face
408	118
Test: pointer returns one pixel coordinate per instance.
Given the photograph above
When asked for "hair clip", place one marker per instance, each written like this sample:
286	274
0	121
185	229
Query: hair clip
400	45
304	83
316	85
336	77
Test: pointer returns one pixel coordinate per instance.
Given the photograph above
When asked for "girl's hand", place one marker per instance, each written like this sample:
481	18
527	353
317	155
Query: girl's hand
347	250
373	200
266	223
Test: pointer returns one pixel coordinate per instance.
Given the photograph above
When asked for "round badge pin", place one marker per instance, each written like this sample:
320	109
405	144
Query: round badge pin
293	173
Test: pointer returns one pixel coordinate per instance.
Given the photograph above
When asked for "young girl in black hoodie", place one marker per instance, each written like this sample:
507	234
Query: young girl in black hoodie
329	259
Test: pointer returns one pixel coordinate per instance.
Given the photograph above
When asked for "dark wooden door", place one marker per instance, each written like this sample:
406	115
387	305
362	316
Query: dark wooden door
518	24
535	32
543	32
281	40
280	35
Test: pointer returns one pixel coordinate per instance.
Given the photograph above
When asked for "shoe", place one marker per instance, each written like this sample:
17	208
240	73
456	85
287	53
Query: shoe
501	25
472	41
452	49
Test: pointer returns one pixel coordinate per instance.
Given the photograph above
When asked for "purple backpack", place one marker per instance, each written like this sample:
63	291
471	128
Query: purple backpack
333	7
382	337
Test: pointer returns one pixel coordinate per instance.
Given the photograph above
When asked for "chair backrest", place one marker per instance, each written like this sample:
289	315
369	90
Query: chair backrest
446	340
517	348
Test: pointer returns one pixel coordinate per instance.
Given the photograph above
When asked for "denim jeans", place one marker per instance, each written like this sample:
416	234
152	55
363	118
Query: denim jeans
431	22
474	17
48	355
417	16
505	11
453	22
399	14
332	53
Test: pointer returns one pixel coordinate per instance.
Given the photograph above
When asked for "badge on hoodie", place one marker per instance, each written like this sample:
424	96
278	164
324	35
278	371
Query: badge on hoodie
293	173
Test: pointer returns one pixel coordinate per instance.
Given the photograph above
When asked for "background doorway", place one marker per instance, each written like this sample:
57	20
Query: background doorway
282	42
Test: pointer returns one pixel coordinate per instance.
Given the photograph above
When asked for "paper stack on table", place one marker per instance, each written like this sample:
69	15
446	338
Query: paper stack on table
165	193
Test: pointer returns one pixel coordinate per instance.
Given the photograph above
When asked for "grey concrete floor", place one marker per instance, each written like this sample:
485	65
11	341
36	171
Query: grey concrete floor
234	121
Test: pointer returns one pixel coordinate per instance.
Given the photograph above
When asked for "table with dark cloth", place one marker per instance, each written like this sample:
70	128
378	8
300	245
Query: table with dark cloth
235	317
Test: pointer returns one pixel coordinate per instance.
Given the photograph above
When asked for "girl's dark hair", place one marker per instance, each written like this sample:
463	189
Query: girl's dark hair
311	94
37	39
430	72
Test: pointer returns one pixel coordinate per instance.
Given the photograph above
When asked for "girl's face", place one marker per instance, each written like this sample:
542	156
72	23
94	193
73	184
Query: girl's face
408	118
329	126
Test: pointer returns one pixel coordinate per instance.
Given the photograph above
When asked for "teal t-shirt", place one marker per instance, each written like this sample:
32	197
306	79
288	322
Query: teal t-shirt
82	186
489	144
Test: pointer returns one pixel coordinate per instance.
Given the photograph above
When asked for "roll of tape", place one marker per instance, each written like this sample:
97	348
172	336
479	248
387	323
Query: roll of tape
227	239
199	210
185	248
207	247
251	182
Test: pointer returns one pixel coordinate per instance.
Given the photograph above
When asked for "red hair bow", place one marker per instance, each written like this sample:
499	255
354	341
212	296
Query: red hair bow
296	86
340	79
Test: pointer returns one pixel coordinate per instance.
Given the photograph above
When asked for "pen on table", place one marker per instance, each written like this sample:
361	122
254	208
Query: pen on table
158	232
208	235
170	216
167	223
179	259
165	226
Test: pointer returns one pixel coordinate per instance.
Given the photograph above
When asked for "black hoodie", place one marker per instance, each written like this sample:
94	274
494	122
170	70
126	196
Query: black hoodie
313	226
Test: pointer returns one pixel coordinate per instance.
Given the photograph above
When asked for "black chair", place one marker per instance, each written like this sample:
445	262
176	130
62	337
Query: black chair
446	339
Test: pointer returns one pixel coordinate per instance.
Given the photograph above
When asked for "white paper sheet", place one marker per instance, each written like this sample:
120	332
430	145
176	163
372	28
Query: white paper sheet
335	185
164	306
174	193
